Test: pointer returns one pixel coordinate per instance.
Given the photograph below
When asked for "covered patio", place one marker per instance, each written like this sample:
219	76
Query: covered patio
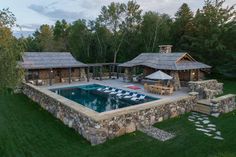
180	65
47	68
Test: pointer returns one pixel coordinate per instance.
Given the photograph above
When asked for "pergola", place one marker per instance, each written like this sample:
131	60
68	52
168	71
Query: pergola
98	69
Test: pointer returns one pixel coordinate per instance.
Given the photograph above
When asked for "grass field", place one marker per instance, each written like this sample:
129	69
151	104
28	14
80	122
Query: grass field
26	130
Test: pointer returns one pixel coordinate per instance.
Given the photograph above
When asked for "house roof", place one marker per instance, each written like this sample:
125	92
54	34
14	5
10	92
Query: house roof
166	61
45	60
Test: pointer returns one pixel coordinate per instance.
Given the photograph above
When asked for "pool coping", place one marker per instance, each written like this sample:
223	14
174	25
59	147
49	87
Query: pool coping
107	114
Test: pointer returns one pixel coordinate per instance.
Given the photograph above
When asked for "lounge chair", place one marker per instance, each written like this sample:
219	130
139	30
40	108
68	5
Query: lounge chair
99	89
115	92
122	93
131	95
140	97
109	90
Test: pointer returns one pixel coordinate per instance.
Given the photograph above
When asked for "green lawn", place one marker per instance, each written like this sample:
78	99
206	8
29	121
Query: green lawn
27	130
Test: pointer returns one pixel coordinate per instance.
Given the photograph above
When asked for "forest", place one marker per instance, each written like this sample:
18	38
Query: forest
122	31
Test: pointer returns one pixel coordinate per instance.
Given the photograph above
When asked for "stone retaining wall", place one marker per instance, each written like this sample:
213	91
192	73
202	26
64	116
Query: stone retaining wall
98	127
223	104
207	89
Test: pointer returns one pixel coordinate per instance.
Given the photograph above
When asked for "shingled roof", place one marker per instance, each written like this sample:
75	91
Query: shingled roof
166	61
45	60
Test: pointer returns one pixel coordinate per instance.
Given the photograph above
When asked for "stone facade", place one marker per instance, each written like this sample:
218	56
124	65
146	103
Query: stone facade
207	89
176	81
223	104
98	127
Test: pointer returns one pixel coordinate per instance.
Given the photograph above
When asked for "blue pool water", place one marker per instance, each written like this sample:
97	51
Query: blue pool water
91	97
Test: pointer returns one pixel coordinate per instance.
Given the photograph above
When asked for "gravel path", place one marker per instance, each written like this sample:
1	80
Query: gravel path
156	133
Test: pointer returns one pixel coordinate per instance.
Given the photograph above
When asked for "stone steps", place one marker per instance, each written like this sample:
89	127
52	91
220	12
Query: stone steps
202	108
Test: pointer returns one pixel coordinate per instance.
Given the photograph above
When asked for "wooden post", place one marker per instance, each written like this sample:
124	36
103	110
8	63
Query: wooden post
94	71
110	71
87	74
69	75
117	72
50	76
100	72
26	75
131	74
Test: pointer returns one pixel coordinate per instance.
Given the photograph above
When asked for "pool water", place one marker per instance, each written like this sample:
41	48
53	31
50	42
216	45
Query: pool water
89	96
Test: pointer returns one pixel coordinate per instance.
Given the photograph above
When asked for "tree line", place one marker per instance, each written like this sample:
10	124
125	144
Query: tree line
122	31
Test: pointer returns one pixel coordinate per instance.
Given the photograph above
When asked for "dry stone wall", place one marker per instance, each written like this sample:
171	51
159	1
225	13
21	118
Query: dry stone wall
207	89
98	127
223	104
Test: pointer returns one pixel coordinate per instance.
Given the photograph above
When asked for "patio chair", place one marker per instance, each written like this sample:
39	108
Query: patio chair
146	86
157	90
170	91
162	91
151	89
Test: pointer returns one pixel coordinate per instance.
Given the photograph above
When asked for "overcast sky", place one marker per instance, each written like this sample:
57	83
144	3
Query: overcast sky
32	13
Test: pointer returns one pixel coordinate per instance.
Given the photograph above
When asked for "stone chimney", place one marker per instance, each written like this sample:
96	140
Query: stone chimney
165	48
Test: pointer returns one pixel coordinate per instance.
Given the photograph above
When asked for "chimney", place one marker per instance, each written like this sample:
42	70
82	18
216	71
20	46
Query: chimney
165	48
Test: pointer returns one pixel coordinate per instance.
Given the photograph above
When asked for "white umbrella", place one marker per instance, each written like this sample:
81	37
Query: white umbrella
159	75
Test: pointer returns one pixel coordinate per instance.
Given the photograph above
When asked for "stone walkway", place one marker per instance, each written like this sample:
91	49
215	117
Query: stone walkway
156	133
203	124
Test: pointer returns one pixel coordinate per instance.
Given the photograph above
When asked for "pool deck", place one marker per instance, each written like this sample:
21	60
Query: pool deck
119	83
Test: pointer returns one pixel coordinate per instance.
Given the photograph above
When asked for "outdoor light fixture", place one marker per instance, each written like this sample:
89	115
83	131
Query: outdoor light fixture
193	73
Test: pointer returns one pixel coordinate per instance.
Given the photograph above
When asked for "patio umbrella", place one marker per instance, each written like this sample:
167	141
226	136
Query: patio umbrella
159	75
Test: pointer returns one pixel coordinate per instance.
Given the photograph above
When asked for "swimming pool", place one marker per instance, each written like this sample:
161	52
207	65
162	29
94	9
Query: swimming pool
102	98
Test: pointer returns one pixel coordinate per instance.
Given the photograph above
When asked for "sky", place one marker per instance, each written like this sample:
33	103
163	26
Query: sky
31	14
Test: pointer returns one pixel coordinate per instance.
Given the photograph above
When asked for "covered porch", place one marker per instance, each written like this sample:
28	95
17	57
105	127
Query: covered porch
56	75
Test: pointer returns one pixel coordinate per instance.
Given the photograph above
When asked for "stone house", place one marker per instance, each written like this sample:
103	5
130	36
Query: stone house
180	65
52	67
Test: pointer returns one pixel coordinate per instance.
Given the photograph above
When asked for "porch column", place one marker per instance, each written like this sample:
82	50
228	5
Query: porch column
131	74
110	66
27	75
198	75
50	76
79	74
117	72
94	71
87	74
100	75
176	81
69	75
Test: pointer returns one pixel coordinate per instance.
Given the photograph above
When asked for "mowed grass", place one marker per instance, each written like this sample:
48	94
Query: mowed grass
26	130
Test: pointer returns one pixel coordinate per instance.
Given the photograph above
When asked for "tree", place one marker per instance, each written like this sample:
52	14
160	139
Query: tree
155	30
10	52
101	42
79	41
182	27
60	33
44	38
120	18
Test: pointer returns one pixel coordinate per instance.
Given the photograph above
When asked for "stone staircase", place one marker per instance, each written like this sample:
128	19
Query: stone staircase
203	106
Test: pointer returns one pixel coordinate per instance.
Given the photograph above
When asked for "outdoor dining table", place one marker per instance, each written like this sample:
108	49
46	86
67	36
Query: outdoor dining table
160	87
